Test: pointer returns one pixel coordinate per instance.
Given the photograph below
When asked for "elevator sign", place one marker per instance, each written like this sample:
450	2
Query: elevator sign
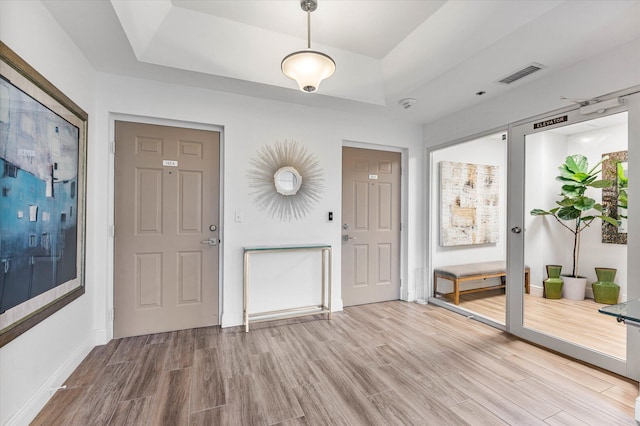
551	122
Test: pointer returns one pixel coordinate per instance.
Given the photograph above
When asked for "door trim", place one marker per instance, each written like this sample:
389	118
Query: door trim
110	260
407	292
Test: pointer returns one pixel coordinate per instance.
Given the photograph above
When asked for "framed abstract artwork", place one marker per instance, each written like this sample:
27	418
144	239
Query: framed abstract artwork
614	199
42	204
468	203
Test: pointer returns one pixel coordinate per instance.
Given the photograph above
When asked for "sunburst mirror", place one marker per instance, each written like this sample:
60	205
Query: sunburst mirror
286	180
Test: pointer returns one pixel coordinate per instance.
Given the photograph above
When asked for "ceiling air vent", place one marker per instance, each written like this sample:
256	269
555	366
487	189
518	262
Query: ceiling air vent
529	69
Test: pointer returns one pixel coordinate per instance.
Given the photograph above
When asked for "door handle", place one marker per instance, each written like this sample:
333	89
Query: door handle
347	238
516	230
210	242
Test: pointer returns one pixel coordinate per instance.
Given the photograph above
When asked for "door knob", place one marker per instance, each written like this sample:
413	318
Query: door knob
516	230
347	238
210	242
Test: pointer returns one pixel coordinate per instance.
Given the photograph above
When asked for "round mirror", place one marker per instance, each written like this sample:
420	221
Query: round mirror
287	180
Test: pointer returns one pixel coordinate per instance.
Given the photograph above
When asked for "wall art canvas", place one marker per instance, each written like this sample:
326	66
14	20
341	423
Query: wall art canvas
615	167
468	203
42	147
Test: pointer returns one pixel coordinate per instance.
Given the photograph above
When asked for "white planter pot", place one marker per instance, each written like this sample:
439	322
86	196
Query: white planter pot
574	288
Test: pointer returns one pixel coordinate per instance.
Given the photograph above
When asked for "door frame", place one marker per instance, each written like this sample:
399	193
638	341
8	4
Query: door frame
407	292
110	260
432	216
515	242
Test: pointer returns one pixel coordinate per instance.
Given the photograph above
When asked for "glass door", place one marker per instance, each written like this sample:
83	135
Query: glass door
468	224
568	192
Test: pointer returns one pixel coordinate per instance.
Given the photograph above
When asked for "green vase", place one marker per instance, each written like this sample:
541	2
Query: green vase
605	292
553	284
606	274
553	271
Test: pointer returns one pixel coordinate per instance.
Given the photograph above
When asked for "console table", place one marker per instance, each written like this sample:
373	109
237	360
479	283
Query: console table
323	307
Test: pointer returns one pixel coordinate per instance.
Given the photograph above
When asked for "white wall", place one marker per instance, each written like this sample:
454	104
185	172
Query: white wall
593	252
544	152
248	124
489	150
607	73
44	356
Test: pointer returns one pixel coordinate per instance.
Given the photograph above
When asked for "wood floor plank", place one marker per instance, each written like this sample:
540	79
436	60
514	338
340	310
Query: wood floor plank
477	415
320	406
207	389
244	394
223	415
391	363
585	405
160	338
145	378
181	350
278	401
171	403
564	419
501	407
299	421
61	408
132	412
395	410
129	349
432	401
350	399
102	398
206	337
92	365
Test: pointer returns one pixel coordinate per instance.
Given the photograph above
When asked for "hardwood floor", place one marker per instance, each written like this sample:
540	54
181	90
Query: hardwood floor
391	363
576	321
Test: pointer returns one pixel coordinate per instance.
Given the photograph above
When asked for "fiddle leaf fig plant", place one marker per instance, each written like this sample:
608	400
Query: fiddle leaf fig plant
575	207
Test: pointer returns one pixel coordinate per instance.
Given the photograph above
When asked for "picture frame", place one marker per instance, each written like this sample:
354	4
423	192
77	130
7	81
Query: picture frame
613	234
469	204
43	144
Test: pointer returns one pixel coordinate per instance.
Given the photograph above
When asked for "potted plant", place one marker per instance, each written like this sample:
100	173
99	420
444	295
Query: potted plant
576	211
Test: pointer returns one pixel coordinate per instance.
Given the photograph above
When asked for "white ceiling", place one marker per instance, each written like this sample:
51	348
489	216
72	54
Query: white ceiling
439	52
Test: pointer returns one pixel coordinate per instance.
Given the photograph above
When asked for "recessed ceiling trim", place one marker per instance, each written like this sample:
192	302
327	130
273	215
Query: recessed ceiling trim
521	73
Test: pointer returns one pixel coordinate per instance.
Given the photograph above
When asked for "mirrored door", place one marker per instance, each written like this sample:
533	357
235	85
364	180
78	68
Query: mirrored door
569	226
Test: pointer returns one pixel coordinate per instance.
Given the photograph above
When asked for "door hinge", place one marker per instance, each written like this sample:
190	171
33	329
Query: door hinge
112	231
113	147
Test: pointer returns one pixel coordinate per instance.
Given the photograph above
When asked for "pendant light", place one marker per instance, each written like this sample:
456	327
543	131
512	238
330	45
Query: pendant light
308	67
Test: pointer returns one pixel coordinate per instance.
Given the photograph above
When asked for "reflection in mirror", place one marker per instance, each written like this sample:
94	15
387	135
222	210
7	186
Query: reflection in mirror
287	180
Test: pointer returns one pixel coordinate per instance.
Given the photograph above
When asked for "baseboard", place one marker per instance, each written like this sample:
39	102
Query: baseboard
43	394
101	337
536	291
638	410
337	306
231	320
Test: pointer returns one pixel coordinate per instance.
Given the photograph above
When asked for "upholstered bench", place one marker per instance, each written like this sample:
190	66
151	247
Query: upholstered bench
473	271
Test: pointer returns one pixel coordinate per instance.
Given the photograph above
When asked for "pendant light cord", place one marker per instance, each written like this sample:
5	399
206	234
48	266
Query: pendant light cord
308	28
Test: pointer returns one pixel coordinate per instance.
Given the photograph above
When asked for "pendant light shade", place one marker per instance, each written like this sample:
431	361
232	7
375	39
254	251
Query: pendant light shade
308	67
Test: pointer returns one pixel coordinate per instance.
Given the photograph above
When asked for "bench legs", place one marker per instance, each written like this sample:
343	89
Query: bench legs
456	285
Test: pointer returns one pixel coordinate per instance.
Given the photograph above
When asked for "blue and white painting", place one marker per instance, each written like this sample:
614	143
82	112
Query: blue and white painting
39	198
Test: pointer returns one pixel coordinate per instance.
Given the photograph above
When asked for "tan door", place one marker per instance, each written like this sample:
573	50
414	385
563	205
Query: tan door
166	228
371	226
